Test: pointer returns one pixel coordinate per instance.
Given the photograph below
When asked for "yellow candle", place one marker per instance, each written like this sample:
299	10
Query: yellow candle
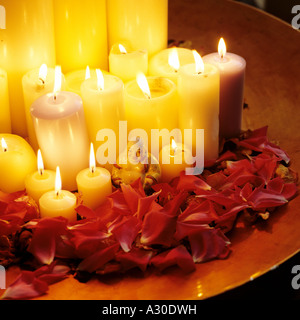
36	83
39	182
103	103
58	202
80	34
17	160
198	87
26	43
152	107
143	23
61	132
173	159
74	79
126	64
167	62
5	124
94	184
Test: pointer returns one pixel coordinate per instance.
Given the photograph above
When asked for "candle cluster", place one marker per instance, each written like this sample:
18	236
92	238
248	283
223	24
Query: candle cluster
118	70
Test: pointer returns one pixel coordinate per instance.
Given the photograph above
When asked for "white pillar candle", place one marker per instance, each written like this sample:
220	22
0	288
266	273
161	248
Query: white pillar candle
198	87
36	83
232	77
61	132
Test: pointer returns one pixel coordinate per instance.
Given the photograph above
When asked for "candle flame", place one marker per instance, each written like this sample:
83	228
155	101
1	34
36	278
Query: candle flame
222	48
92	159
57	181
100	79
43	73
3	145
87	73
198	62
143	84
122	49
174	144
40	163
173	59
57	81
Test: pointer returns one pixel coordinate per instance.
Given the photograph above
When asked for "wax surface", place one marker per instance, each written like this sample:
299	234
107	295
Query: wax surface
5	122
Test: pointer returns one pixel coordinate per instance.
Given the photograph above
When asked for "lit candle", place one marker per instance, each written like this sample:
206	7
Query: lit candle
103	102
167	62
198	87
75	79
17	160
5	124
143	23
61	132
58	202
173	159
36	83
94	184
80	34
40	181
125	64
26	43
232	77
151	103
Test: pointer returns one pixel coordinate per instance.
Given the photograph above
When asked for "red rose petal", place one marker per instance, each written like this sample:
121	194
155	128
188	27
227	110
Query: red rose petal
192	183
139	258
178	256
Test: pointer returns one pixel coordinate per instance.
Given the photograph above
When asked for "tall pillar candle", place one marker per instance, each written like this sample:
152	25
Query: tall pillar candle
143	23
155	109
5	124
198	88
61	132
232	77
80	34
36	83
103	102
26	43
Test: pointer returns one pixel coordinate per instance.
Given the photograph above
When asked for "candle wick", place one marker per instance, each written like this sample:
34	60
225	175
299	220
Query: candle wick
42	80
5	150
41	171
92	169
57	193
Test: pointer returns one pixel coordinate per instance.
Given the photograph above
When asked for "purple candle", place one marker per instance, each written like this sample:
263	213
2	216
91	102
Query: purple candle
232	77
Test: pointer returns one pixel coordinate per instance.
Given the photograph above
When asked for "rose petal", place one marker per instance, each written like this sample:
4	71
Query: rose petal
139	258
192	183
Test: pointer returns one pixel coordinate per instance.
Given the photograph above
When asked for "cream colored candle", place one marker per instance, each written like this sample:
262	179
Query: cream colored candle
155	107
58	203
173	159
40	181
80	34
143	23
26	43
36	83
167	63
125	63
103	102
198	87
5	124
61	132
17	160
75	79
94	184
232	79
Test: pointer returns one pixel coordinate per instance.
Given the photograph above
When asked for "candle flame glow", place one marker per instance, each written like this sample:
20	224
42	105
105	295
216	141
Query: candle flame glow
222	48
43	73
100	79
173	59
57	81
87	73
92	159
198	62
122	49
3	145
57	181
40	163
174	144
143	84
